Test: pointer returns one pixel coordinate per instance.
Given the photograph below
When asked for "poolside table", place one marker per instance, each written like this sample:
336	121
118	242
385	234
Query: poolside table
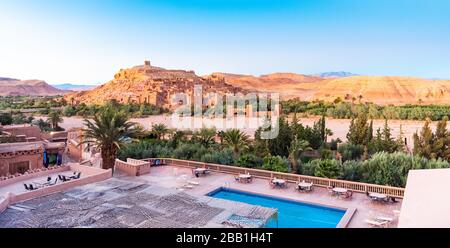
340	191
305	186
379	197
279	182
245	178
201	171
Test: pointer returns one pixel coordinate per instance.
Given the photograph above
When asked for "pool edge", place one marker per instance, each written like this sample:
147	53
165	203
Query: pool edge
343	223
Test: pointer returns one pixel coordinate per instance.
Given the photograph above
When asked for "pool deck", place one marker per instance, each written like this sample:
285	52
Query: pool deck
176	177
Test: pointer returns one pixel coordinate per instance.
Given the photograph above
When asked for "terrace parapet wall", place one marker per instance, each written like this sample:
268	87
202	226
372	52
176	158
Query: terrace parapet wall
292	178
133	167
89	175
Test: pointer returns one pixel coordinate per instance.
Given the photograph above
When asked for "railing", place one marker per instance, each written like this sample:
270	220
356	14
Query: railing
293	178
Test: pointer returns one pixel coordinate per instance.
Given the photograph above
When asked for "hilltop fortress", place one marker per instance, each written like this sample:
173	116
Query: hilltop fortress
153	85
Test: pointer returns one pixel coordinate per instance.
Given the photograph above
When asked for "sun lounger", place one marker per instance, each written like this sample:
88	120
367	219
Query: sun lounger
384	218
187	186
193	183
377	223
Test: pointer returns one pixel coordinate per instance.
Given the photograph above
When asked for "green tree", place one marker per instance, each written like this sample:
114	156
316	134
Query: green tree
236	140
109	131
423	142
328	168
441	144
295	151
44	126
160	131
205	136
55	118
359	130
177	137
279	146
275	163
6	119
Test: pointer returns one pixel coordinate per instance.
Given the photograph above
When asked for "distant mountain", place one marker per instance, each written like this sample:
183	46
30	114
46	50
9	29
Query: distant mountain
335	74
74	87
16	87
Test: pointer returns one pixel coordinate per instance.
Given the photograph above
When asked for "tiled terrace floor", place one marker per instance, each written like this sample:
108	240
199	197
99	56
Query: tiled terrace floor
175	177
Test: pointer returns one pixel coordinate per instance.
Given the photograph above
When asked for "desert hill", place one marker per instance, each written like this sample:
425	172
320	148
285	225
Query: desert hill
15	87
289	85
386	90
154	85
329	86
157	86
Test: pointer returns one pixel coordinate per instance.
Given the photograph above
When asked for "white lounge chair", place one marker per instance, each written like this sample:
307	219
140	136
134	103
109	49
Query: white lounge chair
384	218
377	223
193	183
188	186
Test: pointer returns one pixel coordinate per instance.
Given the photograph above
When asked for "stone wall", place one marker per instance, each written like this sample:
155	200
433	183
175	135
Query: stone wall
35	161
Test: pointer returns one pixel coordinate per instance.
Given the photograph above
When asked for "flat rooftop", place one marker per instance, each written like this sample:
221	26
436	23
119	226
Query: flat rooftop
158	199
168	177
18	147
427	202
116	203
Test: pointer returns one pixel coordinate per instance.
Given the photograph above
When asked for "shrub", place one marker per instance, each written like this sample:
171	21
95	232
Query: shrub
351	151
393	168
328	168
224	157
249	161
275	163
352	171
190	151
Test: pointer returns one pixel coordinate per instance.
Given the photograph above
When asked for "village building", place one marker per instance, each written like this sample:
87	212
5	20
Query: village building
24	148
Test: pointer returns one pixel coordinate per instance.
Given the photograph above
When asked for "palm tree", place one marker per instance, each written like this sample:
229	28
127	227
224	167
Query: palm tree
236	140
295	151
177	136
55	118
205	136
160	131
109	131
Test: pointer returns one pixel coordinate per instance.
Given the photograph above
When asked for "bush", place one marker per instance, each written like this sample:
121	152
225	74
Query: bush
352	171
393	168
275	163
145	149
225	157
249	161
328	168
350	151
69	111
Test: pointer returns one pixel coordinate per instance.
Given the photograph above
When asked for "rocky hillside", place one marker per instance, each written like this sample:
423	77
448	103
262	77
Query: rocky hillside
289	85
154	85
15	87
380	90
157	86
386	90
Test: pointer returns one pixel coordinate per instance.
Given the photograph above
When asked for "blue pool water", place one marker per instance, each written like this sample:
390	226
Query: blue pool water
291	214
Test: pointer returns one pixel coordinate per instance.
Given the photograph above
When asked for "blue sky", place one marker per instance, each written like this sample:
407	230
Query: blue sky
88	41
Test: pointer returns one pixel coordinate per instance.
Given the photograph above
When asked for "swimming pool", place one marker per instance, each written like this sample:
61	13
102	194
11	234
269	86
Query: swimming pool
291	214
